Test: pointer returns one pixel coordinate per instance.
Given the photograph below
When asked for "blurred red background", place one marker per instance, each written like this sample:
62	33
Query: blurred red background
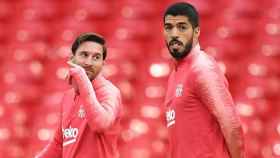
35	40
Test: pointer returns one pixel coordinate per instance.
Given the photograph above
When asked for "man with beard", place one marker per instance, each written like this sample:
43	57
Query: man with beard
90	111
201	118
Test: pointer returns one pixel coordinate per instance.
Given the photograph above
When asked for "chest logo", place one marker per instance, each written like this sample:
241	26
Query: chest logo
170	117
69	135
179	90
81	112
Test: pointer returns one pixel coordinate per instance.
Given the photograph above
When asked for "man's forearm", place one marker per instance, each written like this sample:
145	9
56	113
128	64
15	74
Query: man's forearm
100	113
233	134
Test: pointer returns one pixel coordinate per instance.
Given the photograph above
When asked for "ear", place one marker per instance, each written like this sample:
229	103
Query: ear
197	31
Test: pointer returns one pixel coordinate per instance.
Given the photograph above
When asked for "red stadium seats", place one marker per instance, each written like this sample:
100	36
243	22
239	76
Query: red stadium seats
35	42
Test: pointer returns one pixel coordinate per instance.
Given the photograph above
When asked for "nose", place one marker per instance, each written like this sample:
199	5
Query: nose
174	33
88	61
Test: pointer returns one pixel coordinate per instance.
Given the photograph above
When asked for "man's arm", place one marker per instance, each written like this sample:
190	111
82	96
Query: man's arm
101	113
54	148
213	92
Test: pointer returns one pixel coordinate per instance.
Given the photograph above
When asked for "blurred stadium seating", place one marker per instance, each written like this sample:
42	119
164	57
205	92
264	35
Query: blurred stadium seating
35	40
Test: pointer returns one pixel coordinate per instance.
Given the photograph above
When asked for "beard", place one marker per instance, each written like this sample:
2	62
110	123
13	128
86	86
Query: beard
175	53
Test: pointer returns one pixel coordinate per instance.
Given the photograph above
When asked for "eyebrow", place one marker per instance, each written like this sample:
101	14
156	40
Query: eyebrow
94	53
182	23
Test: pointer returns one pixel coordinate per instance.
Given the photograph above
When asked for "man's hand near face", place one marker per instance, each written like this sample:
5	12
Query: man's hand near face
78	77
101	112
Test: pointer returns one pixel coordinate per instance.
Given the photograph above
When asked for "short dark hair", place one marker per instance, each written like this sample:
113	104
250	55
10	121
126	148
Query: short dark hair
185	9
89	37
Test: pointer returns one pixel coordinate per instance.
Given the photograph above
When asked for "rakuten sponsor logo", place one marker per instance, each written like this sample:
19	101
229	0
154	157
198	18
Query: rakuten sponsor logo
170	117
69	135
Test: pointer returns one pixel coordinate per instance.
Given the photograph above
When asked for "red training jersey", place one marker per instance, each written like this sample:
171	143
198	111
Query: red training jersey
200	110
89	122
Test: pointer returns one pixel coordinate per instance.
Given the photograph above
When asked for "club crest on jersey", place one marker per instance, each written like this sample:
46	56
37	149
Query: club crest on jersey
81	112
179	90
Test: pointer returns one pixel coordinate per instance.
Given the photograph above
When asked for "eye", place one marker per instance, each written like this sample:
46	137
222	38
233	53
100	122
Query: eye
84	54
97	57
167	27
182	28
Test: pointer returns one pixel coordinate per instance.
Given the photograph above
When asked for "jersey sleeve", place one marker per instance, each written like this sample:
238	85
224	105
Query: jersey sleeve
103	104
101	111
212	90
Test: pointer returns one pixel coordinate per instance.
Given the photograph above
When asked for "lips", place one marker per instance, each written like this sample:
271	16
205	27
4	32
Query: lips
175	45
175	42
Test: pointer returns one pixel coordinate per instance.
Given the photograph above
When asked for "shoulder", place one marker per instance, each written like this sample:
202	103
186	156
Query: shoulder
205	64
105	86
111	86
205	68
67	100
171	76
